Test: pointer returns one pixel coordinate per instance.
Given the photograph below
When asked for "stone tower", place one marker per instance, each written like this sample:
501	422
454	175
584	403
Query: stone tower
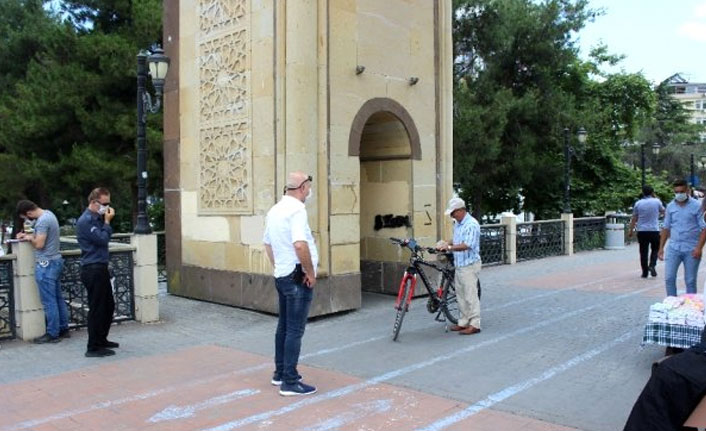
356	93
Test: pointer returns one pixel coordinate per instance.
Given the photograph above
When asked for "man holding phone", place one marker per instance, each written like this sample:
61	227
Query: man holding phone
93	232
292	251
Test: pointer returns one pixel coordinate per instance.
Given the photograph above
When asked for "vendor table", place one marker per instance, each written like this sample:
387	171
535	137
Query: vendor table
671	335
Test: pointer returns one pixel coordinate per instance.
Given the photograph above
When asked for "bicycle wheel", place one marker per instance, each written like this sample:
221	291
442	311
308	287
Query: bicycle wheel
401	310
450	302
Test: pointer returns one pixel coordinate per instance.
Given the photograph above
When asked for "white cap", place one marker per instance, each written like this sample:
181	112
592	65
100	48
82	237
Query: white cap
454	204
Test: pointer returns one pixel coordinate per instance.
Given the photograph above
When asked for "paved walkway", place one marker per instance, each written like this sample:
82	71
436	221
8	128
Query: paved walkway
559	351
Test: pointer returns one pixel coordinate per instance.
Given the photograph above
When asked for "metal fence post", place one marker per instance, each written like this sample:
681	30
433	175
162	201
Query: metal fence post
146	285
510	222
568	219
29	313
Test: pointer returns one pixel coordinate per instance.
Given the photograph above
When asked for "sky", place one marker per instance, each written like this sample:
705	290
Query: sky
658	37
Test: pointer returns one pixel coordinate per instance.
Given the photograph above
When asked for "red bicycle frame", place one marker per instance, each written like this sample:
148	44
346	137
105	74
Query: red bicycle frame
407	276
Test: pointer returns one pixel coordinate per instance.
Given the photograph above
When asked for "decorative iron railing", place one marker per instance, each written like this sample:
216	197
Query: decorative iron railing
492	244
589	233
161	258
540	239
122	238
121	269
7	298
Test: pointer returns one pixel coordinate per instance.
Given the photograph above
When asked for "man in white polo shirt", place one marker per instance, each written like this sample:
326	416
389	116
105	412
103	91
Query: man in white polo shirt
292	251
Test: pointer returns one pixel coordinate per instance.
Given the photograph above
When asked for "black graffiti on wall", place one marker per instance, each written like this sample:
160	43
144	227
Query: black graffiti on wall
390	221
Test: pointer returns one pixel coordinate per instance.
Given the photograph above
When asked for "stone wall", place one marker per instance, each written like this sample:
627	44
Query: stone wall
264	87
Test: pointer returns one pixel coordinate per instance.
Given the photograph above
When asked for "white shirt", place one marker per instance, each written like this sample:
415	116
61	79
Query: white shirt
287	223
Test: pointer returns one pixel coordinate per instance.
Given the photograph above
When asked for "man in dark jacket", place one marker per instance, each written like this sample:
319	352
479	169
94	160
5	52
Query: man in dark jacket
93	232
675	388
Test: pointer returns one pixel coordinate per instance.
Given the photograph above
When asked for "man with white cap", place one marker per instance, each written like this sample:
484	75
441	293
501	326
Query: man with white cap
466	249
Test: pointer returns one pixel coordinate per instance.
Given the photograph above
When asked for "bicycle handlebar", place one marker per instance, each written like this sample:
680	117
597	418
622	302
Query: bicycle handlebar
411	243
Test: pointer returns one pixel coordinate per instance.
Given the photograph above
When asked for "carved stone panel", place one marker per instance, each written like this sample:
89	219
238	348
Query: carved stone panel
225	160
225	137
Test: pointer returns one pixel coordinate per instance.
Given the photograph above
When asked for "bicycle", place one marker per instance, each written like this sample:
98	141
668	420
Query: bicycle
442	300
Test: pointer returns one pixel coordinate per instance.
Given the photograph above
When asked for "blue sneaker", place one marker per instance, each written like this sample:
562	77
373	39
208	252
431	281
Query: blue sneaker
295	389
277	379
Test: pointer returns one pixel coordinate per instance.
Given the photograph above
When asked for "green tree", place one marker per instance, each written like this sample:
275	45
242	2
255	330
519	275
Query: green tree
519	84
68	104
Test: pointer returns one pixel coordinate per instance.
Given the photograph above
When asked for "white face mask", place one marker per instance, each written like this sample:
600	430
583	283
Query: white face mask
308	195
102	209
680	197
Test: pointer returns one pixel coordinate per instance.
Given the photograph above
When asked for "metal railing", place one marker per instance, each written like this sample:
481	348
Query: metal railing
540	239
589	233
492	244
7	298
161	258
124	238
121	269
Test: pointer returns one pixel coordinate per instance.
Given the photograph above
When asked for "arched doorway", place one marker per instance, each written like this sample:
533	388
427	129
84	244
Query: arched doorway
386	140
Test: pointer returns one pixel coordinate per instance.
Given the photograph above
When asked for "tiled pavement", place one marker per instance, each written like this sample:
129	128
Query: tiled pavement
559	351
208	386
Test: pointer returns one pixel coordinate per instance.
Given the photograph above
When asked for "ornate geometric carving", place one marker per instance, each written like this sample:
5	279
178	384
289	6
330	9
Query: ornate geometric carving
225	168
219	14
225	142
225	78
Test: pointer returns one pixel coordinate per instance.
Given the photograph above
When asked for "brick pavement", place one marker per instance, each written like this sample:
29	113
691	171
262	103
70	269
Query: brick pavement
207	386
206	365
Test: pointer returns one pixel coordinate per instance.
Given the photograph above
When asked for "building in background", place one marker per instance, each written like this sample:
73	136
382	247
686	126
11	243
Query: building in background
693	96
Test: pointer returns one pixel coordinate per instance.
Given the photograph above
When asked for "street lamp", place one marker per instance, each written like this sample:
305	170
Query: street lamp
691	178
158	67
568	151
655	151
701	164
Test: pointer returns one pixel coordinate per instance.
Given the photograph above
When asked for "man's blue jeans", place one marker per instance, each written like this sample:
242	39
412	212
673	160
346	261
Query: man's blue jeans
48	281
294	302
671	264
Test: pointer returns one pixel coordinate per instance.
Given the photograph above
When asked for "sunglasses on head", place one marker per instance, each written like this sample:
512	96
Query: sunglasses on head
309	178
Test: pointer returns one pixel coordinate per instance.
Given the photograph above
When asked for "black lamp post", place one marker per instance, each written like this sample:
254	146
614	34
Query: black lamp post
158	67
642	162
655	151
691	178
701	164
568	151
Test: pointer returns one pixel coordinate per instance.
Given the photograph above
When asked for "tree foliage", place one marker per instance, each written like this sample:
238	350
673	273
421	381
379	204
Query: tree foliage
67	102
519	84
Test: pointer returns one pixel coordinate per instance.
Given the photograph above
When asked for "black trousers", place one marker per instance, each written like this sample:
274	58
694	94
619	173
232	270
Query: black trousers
647	241
101	304
673	391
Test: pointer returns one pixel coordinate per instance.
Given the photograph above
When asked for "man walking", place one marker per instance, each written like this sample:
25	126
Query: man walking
291	249
684	227
93	232
645	215
47	270
466	249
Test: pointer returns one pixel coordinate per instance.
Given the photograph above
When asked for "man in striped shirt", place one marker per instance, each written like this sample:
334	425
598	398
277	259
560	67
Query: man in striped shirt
466	249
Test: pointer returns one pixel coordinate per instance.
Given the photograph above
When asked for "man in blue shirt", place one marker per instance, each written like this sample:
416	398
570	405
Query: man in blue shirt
466	249
685	229
645	215
93	232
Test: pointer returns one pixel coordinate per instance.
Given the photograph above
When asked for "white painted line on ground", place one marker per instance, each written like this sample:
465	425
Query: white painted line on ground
235	424
175	412
357	412
513	390
92	407
248	370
